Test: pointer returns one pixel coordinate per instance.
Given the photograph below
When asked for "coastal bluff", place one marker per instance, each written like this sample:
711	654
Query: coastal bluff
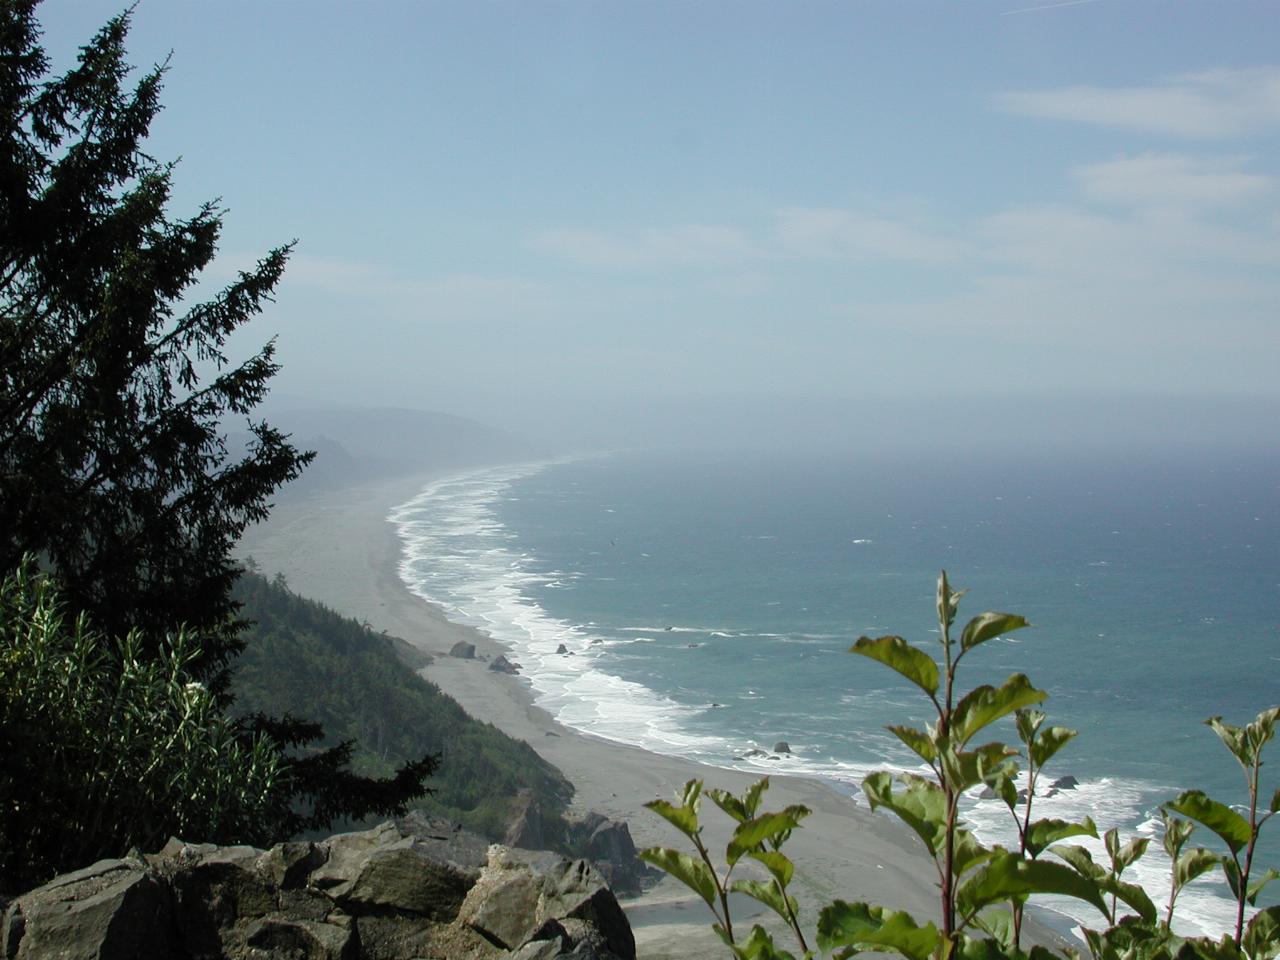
406	889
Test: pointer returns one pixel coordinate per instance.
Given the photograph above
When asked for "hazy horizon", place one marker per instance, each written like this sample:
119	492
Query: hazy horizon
596	223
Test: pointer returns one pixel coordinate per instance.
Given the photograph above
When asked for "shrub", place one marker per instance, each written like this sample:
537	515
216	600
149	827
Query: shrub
105	749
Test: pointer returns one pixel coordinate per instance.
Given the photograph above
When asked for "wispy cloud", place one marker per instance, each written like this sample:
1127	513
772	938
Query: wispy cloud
850	235
1175	179
457	296
1048	6
688	244
1209	105
795	233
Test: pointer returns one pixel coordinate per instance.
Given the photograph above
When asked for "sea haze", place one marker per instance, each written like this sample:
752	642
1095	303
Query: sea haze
707	605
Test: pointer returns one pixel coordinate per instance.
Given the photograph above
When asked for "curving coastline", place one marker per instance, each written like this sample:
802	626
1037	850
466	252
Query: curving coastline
338	547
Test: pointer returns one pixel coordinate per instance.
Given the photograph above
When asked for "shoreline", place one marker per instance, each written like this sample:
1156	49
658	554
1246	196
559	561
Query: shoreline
337	547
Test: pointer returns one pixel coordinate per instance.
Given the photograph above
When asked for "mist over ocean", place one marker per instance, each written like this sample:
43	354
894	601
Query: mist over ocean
707	604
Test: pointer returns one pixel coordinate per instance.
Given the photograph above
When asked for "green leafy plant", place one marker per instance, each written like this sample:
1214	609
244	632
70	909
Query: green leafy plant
758	837
1239	833
972	879
984	890
106	748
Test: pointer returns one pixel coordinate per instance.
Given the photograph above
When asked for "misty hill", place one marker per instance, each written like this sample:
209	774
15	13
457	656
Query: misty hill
357	444
303	658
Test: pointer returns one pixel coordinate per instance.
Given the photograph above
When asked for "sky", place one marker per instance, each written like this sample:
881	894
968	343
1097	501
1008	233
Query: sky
586	217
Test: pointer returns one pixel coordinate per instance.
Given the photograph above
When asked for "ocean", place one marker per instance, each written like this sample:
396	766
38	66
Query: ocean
706	604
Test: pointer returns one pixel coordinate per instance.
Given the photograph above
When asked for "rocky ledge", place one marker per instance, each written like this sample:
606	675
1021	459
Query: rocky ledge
408	889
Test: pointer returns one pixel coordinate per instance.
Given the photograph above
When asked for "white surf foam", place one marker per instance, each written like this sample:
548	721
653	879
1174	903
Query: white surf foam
458	555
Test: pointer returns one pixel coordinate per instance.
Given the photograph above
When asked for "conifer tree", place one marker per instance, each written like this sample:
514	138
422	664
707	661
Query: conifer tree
116	395
114	391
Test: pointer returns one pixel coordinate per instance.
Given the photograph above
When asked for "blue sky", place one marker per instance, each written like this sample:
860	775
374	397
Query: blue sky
540	211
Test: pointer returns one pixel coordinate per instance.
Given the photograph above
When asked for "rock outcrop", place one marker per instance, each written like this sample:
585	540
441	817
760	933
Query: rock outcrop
463	650
502	665
414	888
607	844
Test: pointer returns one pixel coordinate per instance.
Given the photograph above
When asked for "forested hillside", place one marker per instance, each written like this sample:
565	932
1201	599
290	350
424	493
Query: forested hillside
304	659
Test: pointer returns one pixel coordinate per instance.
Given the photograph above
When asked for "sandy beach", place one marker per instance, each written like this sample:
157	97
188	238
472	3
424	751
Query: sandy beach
338	547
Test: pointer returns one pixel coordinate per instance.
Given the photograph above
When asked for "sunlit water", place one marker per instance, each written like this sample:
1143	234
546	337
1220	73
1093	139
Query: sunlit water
707	605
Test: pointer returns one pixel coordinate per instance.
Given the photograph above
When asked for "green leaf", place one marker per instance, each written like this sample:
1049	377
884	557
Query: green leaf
1008	876
1130	894
1263	728
844	924
684	819
766	892
1234	738
948	600
776	862
971	948
1274	807
1261	940
1202	948
760	946
694	874
689	795
1028	722
997	924
965	769
967	852
1048	743
1005	788
1176	833
1255	886
727	802
921	805
751	834
987	626
1044	832
894	652
1122	857
985	704
744	808
1194	863
1218	817
1232	873
919	741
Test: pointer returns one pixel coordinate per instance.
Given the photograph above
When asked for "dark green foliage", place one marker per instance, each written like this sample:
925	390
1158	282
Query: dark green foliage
103	749
114	391
115	398
304	659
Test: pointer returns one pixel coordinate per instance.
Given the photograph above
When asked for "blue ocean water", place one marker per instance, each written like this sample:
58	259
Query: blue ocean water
707	604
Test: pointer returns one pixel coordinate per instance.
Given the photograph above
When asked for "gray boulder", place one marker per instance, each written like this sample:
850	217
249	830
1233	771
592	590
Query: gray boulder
519	894
382	870
113	909
406	889
463	650
613	852
527	829
782	747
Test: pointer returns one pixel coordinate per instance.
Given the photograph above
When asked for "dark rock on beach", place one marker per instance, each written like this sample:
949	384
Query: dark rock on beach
502	665
782	747
463	650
